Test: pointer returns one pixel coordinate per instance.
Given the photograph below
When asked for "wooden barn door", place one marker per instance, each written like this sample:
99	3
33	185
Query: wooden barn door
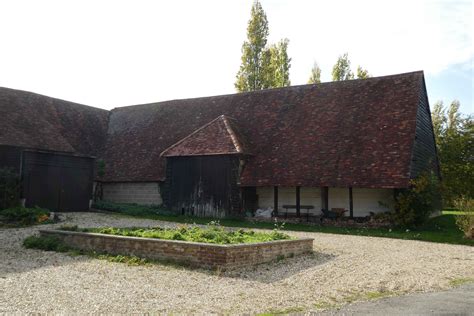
57	182
41	187
203	185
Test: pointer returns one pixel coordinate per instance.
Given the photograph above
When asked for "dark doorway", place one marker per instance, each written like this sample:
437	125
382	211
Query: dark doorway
58	182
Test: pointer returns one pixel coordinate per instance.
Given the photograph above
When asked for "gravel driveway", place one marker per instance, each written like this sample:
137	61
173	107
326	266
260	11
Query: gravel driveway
343	269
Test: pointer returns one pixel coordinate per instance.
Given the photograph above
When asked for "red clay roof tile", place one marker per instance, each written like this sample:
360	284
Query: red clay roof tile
218	137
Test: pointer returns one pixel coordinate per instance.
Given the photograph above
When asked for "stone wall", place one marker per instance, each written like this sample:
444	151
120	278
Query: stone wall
210	256
145	193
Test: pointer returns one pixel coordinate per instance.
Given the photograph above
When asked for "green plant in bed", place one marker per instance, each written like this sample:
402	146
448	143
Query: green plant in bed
212	234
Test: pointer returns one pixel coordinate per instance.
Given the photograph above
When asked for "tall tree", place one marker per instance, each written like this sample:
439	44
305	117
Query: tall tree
454	134
278	67
362	73
342	69
251	75
438	117
315	74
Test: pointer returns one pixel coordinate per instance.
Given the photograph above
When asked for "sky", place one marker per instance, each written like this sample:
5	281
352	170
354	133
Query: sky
115	53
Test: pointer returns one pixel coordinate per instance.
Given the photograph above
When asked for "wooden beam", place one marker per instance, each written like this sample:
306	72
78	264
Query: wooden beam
298	202
351	203
275	201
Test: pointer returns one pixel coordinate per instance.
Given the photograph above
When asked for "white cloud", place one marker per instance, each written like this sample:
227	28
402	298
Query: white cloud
115	53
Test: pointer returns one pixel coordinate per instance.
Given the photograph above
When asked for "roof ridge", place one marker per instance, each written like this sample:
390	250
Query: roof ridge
53	98
270	89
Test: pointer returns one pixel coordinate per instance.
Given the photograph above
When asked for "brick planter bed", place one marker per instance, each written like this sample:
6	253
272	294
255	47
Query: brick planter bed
203	255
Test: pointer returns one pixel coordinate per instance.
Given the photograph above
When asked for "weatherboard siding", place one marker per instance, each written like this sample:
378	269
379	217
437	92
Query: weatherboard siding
424	157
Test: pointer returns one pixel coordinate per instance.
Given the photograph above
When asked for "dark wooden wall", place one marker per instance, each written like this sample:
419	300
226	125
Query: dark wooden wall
424	156
56	181
203	185
249	199
10	157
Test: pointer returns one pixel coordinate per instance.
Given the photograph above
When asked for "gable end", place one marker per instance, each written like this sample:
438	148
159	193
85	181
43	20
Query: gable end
424	155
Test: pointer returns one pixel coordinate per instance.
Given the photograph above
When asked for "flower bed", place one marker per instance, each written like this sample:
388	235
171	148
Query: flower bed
198	254
213	234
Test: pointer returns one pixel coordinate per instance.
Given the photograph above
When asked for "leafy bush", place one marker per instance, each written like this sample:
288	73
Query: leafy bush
211	234
413	206
465	222
131	208
24	216
45	243
9	188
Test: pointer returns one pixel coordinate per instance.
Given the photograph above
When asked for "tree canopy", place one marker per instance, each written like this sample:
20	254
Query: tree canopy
362	73
262	66
454	134
342	69
315	74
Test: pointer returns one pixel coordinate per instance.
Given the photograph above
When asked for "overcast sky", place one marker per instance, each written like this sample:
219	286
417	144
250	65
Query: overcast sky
115	53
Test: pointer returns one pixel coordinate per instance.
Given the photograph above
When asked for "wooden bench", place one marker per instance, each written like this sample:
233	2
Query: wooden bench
302	207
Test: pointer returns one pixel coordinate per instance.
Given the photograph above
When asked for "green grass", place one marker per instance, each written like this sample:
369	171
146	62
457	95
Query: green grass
54	244
440	229
460	281
285	311
45	243
211	234
132	209
451	212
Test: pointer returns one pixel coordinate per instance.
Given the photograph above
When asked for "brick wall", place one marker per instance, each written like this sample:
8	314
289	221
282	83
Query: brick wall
201	255
145	193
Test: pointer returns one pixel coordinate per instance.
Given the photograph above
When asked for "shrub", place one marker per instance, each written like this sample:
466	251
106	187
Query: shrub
413	206
131	208
9	188
24	216
465	221
44	243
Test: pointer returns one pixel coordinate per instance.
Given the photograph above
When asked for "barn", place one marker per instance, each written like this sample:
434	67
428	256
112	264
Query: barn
51	145
347	145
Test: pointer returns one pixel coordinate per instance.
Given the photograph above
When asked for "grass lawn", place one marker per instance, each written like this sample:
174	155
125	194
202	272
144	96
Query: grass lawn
441	229
454	212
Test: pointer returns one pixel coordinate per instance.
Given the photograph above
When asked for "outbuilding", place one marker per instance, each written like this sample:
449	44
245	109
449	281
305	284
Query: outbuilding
346	145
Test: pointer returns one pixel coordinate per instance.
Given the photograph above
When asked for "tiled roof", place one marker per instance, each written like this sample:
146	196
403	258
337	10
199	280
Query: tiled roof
218	137
35	121
356	133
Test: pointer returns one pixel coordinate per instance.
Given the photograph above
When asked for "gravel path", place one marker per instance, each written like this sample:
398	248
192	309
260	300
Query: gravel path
344	268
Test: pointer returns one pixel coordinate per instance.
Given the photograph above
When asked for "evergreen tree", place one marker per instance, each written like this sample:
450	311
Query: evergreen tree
315	74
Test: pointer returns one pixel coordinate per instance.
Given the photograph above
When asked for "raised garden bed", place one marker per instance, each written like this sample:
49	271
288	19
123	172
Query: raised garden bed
197	254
